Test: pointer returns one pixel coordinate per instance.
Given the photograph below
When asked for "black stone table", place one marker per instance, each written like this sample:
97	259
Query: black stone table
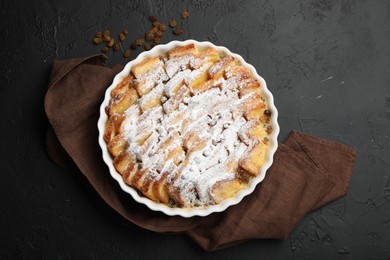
326	62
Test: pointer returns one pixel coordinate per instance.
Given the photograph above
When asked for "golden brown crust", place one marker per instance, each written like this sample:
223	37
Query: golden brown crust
255	159
189	49
122	87
119	106
226	189
144	66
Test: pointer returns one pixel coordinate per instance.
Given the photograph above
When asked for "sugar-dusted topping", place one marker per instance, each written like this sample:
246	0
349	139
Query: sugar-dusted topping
243	132
216	67
175	82
194	74
172	66
197	138
209	116
154	76
210	119
155	159
230	83
153	96
131	121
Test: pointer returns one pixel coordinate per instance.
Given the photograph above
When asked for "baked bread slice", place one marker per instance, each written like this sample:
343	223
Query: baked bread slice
188	128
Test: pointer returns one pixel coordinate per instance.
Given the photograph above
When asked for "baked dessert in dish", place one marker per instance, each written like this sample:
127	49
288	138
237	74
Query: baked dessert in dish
188	128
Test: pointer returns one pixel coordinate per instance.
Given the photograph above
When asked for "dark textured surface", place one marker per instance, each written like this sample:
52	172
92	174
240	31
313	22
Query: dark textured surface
326	62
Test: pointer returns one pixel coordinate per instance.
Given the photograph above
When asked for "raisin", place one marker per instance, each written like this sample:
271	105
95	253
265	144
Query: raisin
111	43
106	38
122	37
172	23
127	53
162	27
152	18
267	112
97	40
177	32
140	41
157	40
149	36
116	47
184	14
269	129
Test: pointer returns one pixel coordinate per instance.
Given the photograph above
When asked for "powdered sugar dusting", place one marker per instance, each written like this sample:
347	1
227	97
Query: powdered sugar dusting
172	66
200	141
155	76
175	81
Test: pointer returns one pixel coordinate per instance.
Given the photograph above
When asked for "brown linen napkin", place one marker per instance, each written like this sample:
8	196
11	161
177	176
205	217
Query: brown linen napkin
300	180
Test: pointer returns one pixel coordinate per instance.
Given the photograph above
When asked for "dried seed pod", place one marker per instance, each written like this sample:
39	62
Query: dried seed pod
106	33
152	18
122	37
162	27
97	40
147	47
116	47
177	31
127	53
140	41
99	34
154	30
184	14
149	36
133	45
156	24
111	43
105	49
172	23
125	31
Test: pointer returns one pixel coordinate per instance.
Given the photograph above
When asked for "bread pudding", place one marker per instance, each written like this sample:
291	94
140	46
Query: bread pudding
188	128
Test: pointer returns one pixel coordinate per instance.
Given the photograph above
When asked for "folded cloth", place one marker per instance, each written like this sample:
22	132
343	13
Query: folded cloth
307	173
